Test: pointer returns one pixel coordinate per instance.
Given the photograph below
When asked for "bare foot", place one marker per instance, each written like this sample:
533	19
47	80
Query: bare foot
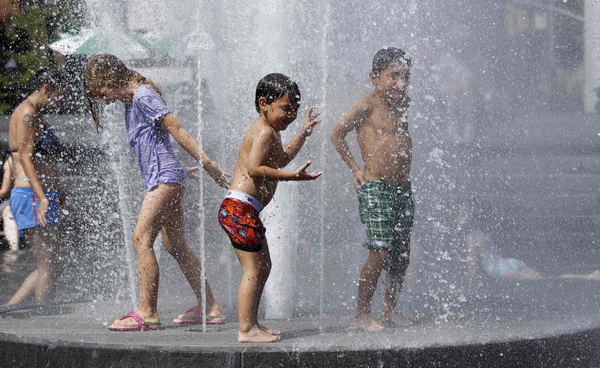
366	323
272	332
595	275
396	320
257	335
131	322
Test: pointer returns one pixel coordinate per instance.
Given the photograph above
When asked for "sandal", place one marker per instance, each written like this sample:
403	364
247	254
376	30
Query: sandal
141	324
210	320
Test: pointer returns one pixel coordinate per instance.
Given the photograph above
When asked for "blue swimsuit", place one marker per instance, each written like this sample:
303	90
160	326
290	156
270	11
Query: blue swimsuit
23	201
499	267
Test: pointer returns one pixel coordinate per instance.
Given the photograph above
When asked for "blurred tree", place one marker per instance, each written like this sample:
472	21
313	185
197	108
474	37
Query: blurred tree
25	30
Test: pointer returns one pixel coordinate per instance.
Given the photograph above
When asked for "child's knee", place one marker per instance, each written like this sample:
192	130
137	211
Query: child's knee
251	274
265	267
141	241
253	271
379	256
175	252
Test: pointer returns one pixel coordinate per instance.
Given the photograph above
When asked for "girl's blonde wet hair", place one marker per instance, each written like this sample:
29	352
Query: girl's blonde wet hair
107	70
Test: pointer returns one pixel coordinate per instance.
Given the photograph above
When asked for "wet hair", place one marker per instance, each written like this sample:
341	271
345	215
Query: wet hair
107	70
388	56
274	86
55	78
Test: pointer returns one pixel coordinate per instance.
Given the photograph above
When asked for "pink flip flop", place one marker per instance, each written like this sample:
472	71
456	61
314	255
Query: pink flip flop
141	324
210	320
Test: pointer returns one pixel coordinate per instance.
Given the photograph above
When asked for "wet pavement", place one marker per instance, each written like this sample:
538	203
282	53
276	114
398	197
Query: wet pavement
82	327
520	324
86	323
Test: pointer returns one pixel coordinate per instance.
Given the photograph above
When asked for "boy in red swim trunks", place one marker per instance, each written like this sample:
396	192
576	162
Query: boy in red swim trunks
254	182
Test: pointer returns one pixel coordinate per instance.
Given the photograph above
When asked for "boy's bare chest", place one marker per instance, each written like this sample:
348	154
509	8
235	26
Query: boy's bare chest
380	127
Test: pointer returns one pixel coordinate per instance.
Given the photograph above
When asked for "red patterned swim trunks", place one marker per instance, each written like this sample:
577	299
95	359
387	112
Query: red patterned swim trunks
240	221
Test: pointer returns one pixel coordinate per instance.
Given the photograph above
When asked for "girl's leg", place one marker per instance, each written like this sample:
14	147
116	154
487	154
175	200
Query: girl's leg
11	232
144	234
594	275
43	243
173	236
249	295
25	290
527	273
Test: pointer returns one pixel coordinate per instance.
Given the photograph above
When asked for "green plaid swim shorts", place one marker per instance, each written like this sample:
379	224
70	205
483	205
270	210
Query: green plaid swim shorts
387	210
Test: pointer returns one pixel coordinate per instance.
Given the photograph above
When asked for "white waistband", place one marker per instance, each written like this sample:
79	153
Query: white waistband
246	198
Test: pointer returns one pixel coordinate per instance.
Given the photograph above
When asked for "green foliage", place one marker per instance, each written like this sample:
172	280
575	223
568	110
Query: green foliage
28	36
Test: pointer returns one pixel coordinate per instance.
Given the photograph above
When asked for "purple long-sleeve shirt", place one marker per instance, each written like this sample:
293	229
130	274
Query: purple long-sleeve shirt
150	142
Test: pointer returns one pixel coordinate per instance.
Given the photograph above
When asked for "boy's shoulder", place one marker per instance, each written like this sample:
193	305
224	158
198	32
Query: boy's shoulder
259	129
366	103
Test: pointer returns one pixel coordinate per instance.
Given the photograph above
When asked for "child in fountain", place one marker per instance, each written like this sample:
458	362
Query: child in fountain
255	178
386	204
149	123
36	195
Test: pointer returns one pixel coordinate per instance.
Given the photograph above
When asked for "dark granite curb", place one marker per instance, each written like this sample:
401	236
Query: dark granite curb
569	350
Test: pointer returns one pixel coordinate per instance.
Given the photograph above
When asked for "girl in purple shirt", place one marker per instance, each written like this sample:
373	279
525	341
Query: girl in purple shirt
149	123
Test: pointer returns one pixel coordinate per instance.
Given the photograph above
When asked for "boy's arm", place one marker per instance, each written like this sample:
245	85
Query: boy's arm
261	149
192	147
293	147
347	123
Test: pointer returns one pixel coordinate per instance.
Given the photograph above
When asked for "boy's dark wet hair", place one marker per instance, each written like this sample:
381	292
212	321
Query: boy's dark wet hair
274	86
388	56
57	79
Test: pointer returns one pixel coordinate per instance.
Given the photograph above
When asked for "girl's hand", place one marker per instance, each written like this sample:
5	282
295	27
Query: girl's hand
222	178
311	120
42	212
301	173
192	172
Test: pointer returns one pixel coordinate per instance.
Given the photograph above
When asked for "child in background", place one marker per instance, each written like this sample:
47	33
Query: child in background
483	257
35	196
385	197
255	178
11	232
149	123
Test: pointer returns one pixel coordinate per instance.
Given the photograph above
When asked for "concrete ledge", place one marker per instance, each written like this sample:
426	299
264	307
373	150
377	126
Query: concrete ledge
569	350
66	336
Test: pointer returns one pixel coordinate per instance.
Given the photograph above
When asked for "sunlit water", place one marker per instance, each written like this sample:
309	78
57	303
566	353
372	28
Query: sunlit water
518	150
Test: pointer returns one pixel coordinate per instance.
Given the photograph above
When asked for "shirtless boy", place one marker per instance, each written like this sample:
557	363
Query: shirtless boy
386	204
255	178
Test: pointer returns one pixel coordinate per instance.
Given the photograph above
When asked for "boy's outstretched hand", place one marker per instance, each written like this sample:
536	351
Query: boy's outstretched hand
311	120
301	173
